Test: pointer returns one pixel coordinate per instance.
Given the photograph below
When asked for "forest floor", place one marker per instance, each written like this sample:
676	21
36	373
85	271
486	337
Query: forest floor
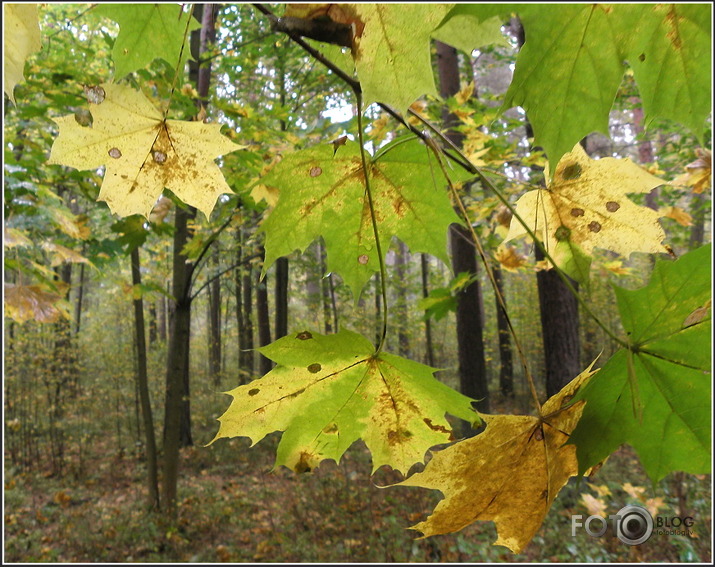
234	509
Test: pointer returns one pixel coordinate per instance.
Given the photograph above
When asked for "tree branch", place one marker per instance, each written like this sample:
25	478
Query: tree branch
222	272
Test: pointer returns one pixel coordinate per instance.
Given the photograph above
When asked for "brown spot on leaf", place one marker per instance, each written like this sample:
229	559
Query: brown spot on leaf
572	171
399	206
562	233
612	206
95	95
253	391
539	434
399	436
159	157
331	428
304	336
673	35
303	464
363	259
576	212
313	368
594	226
567	398
641	57
315	171
115	153
433	427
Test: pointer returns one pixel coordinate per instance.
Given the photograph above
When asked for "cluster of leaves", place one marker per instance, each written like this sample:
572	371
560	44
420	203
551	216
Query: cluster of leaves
328	391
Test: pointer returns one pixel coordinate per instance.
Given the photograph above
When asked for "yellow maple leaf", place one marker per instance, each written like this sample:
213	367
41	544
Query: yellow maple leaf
509	474
143	152
600	489
26	302
509	258
465	93
60	255
635	492
261	192
677	214
595	506
586	204
22	38
698	174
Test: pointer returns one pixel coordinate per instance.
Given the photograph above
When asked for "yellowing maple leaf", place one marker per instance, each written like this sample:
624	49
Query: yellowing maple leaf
328	391
698	174
21	30
26	302
509	258
586	205
677	214
509	474
595	506
143	152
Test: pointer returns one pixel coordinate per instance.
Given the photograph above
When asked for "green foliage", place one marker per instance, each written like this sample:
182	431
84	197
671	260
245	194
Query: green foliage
323	194
654	393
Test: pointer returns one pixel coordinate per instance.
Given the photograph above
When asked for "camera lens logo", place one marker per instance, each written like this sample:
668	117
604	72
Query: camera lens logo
635	525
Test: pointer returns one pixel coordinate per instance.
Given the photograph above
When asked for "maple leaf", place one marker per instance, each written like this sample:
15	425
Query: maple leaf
655	395
569	70
330	390
21	32
35	302
148	32
143	152
391	49
322	194
595	506
509	258
698	174
468	27
586	206
677	214
509	474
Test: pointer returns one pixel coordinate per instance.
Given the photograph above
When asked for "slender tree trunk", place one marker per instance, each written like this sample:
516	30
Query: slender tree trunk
698	208
470	344
281	297
401	271
325	291
143	388
429	350
506	373
244	306
177	367
215	324
80	297
153	329
263	319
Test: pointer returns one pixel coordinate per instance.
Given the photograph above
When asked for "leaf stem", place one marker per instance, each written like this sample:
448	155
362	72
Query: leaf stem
373	218
500	299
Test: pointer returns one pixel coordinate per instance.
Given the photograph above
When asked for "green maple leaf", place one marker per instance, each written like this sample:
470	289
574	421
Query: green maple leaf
671	55
148	32
392	50
569	70
656	395
322	194
470	26
328	391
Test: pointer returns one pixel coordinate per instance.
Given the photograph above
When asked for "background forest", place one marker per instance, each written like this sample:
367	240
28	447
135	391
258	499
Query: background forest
122	332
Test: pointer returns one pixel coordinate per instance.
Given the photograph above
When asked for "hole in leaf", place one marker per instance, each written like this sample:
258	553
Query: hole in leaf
115	153
572	171
304	336
612	206
594	226
363	259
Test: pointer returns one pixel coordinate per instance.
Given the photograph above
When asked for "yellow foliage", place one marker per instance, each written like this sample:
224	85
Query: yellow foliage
143	152
677	214
509	474
21	29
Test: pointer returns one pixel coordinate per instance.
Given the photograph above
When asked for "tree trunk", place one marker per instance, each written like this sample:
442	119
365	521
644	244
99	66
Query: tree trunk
177	367
327	293
472	364
215	323
506	373
429	350
153	329
263	319
244	306
143	387
698	208
401	271
281	298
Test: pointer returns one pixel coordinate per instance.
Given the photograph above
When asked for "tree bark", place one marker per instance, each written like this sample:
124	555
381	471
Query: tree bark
506	372
401	271
281	297
215	324
470	344
143	388
429	350
263	319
